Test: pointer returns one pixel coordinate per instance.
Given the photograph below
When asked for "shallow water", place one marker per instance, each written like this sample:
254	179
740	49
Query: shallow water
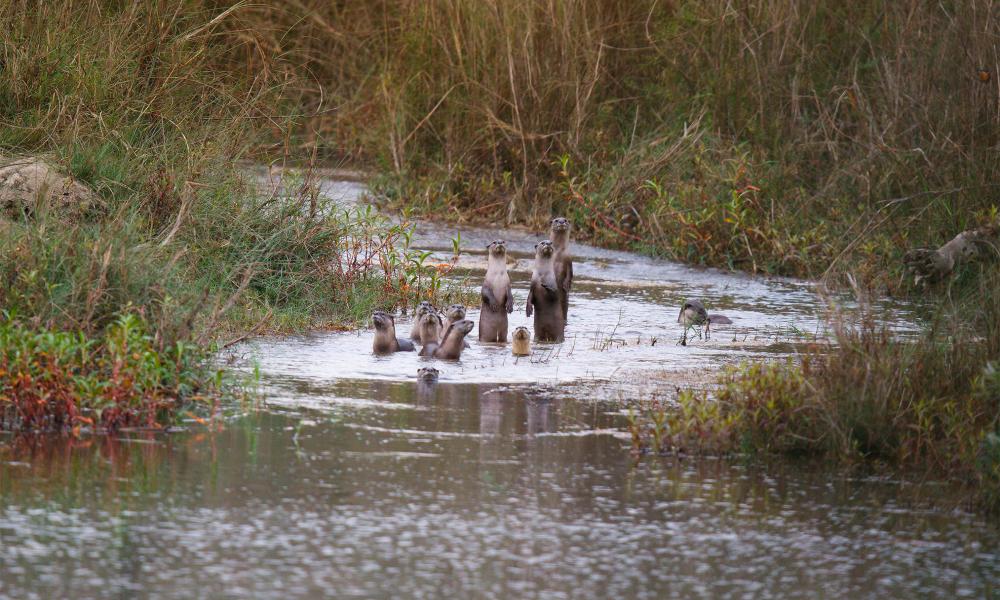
508	478
622	325
462	491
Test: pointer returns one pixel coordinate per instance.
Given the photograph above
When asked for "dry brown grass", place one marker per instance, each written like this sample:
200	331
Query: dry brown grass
848	129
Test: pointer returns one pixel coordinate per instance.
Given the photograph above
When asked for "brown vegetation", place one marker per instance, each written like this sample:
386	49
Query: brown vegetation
765	135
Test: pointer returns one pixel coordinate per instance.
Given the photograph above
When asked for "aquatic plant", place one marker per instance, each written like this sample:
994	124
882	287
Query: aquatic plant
53	380
868	396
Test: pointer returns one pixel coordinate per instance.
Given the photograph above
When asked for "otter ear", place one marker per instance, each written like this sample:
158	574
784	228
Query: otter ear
536	245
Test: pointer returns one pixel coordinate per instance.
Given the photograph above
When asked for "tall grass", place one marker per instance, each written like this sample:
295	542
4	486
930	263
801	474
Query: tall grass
869	397
759	134
148	104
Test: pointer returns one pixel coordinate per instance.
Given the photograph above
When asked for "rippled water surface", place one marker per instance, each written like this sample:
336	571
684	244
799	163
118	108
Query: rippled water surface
507	479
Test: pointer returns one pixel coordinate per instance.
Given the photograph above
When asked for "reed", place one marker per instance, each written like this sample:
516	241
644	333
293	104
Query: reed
144	103
760	134
868	397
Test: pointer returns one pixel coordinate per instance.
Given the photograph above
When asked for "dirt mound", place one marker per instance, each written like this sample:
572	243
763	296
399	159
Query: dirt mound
31	186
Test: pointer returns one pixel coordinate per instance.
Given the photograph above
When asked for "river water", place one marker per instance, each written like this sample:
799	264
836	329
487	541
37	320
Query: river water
507	479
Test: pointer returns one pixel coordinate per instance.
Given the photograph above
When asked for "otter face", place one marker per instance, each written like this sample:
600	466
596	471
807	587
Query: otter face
382	320
430	322
464	326
497	248
423	308
559	224
428	374
455	312
521	333
544	249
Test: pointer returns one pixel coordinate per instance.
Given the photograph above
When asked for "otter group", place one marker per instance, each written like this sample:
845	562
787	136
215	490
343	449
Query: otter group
443	335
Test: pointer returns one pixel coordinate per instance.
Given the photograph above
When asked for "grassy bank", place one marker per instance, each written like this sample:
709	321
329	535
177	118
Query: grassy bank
145	104
766	136
865	398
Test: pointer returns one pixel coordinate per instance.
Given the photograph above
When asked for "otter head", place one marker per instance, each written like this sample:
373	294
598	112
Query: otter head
692	313
497	249
522	342
430	325
464	327
544	249
423	308
383	321
559	225
428	374
455	312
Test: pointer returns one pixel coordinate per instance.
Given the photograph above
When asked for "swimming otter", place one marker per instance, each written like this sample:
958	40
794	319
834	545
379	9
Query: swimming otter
430	332
427	378
422	309
693	314
386	341
522	342
428	374
498	301
451	347
544	297
563	260
453	314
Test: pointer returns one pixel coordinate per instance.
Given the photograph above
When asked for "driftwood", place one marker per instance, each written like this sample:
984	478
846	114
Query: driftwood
929	265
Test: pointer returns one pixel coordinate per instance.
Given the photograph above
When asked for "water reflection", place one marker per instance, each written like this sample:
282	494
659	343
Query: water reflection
467	490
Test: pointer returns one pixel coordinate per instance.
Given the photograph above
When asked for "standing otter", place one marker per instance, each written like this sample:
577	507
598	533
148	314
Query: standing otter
498	301
544	298
559	234
453	314
422	309
386	341
693	314
454	336
522	342
430	332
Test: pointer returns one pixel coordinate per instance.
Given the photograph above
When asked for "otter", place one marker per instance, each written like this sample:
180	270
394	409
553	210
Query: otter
563	260
422	309
522	342
452	314
693	314
498	301
427	378
428	374
386	341
451	347
430	331
544	299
